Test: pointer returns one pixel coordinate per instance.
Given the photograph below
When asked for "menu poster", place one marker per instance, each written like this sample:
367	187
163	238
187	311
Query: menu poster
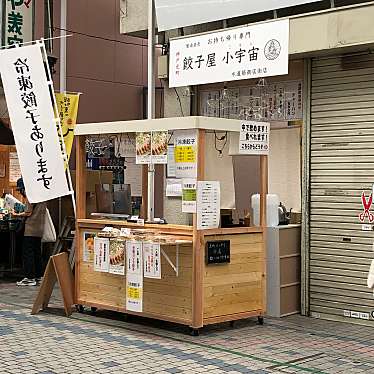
14	168
152	260
185	154
143	148
173	187
189	195
117	256
208	205
134	292
101	254
159	143
88	246
171	162
134	260
254	138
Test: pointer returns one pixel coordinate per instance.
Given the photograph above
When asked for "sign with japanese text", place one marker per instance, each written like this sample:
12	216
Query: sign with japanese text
208	205
254	138
101	254
173	14
18	26
232	54
117	256
152	147
28	97
134	292
185	154
67	105
189	195
152	260
134	257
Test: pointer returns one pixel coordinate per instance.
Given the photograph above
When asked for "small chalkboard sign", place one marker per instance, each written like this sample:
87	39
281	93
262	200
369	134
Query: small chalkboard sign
218	252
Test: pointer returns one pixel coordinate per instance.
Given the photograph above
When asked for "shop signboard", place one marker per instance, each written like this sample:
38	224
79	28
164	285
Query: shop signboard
247	52
173	14
18	21
28	98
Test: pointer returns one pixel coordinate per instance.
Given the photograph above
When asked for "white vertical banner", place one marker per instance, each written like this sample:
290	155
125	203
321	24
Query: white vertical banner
134	276
33	122
152	260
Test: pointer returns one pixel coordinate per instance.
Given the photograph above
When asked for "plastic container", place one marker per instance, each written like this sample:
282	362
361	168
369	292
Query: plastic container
272	204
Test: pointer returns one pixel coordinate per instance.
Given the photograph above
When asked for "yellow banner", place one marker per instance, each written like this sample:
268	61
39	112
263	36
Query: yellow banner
67	105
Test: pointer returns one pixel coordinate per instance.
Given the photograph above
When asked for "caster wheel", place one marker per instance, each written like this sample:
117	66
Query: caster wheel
232	324
80	308
194	332
260	320
93	309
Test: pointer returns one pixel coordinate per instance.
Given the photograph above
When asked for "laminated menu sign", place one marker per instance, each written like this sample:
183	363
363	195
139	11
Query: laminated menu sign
254	138
185	154
134	292
134	261
152	148
152	260
143	148
88	246
189	195
208	205
101	254
117	256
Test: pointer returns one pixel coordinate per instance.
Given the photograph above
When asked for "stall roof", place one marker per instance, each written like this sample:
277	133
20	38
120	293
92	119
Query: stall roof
162	124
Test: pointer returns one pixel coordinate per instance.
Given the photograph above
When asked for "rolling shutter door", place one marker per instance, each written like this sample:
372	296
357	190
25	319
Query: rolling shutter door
342	166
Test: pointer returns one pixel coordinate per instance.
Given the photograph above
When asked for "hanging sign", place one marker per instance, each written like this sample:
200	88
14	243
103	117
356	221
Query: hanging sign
27	94
152	147
67	105
366	204
134	276
208	205
232	54
101	254
134	257
18	22
189	195
117	256
254	138
152	260
88	246
143	147
185	154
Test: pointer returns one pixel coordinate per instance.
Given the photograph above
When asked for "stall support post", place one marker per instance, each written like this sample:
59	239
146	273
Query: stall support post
263	197
198	246
80	187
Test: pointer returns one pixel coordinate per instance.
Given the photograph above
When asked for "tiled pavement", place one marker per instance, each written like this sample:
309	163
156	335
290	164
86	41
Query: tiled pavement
50	343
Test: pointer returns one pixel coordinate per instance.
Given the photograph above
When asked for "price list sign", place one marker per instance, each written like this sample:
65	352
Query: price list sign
254	138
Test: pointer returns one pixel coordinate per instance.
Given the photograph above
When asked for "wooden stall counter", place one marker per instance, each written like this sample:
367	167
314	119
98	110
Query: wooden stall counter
194	290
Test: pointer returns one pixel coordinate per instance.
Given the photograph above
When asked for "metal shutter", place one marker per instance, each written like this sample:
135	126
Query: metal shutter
342	166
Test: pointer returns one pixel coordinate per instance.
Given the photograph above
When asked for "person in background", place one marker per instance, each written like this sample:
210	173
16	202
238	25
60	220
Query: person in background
32	241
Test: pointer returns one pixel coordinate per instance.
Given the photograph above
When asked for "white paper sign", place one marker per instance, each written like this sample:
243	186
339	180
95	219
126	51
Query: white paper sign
173	187
33	123
189	195
254	138
101	254
185	154
152	260
242	53
14	168
117	256
134	259
171	162
134	292
208	205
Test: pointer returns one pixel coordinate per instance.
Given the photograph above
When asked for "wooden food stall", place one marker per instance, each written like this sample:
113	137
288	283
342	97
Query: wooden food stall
191	290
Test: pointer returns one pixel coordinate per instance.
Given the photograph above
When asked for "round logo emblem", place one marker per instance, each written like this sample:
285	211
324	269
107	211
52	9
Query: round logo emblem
272	49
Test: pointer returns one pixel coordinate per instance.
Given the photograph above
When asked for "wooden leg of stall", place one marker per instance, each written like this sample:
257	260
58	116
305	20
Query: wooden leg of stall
58	269
263	197
198	248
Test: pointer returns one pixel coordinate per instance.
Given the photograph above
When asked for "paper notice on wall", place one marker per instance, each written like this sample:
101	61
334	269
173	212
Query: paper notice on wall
101	254
208	205
171	162
185	154
189	195
173	187
134	260
14	168
134	292
117	256
88	246
143	147
254	138
152	260
133	176
159	147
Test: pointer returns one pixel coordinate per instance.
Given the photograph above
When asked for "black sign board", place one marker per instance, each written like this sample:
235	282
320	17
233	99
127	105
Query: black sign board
218	252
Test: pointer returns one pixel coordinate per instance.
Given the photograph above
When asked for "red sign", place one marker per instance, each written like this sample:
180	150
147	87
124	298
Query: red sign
366	204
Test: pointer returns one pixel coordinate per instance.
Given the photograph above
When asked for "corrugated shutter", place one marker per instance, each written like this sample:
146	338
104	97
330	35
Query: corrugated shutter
342	166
